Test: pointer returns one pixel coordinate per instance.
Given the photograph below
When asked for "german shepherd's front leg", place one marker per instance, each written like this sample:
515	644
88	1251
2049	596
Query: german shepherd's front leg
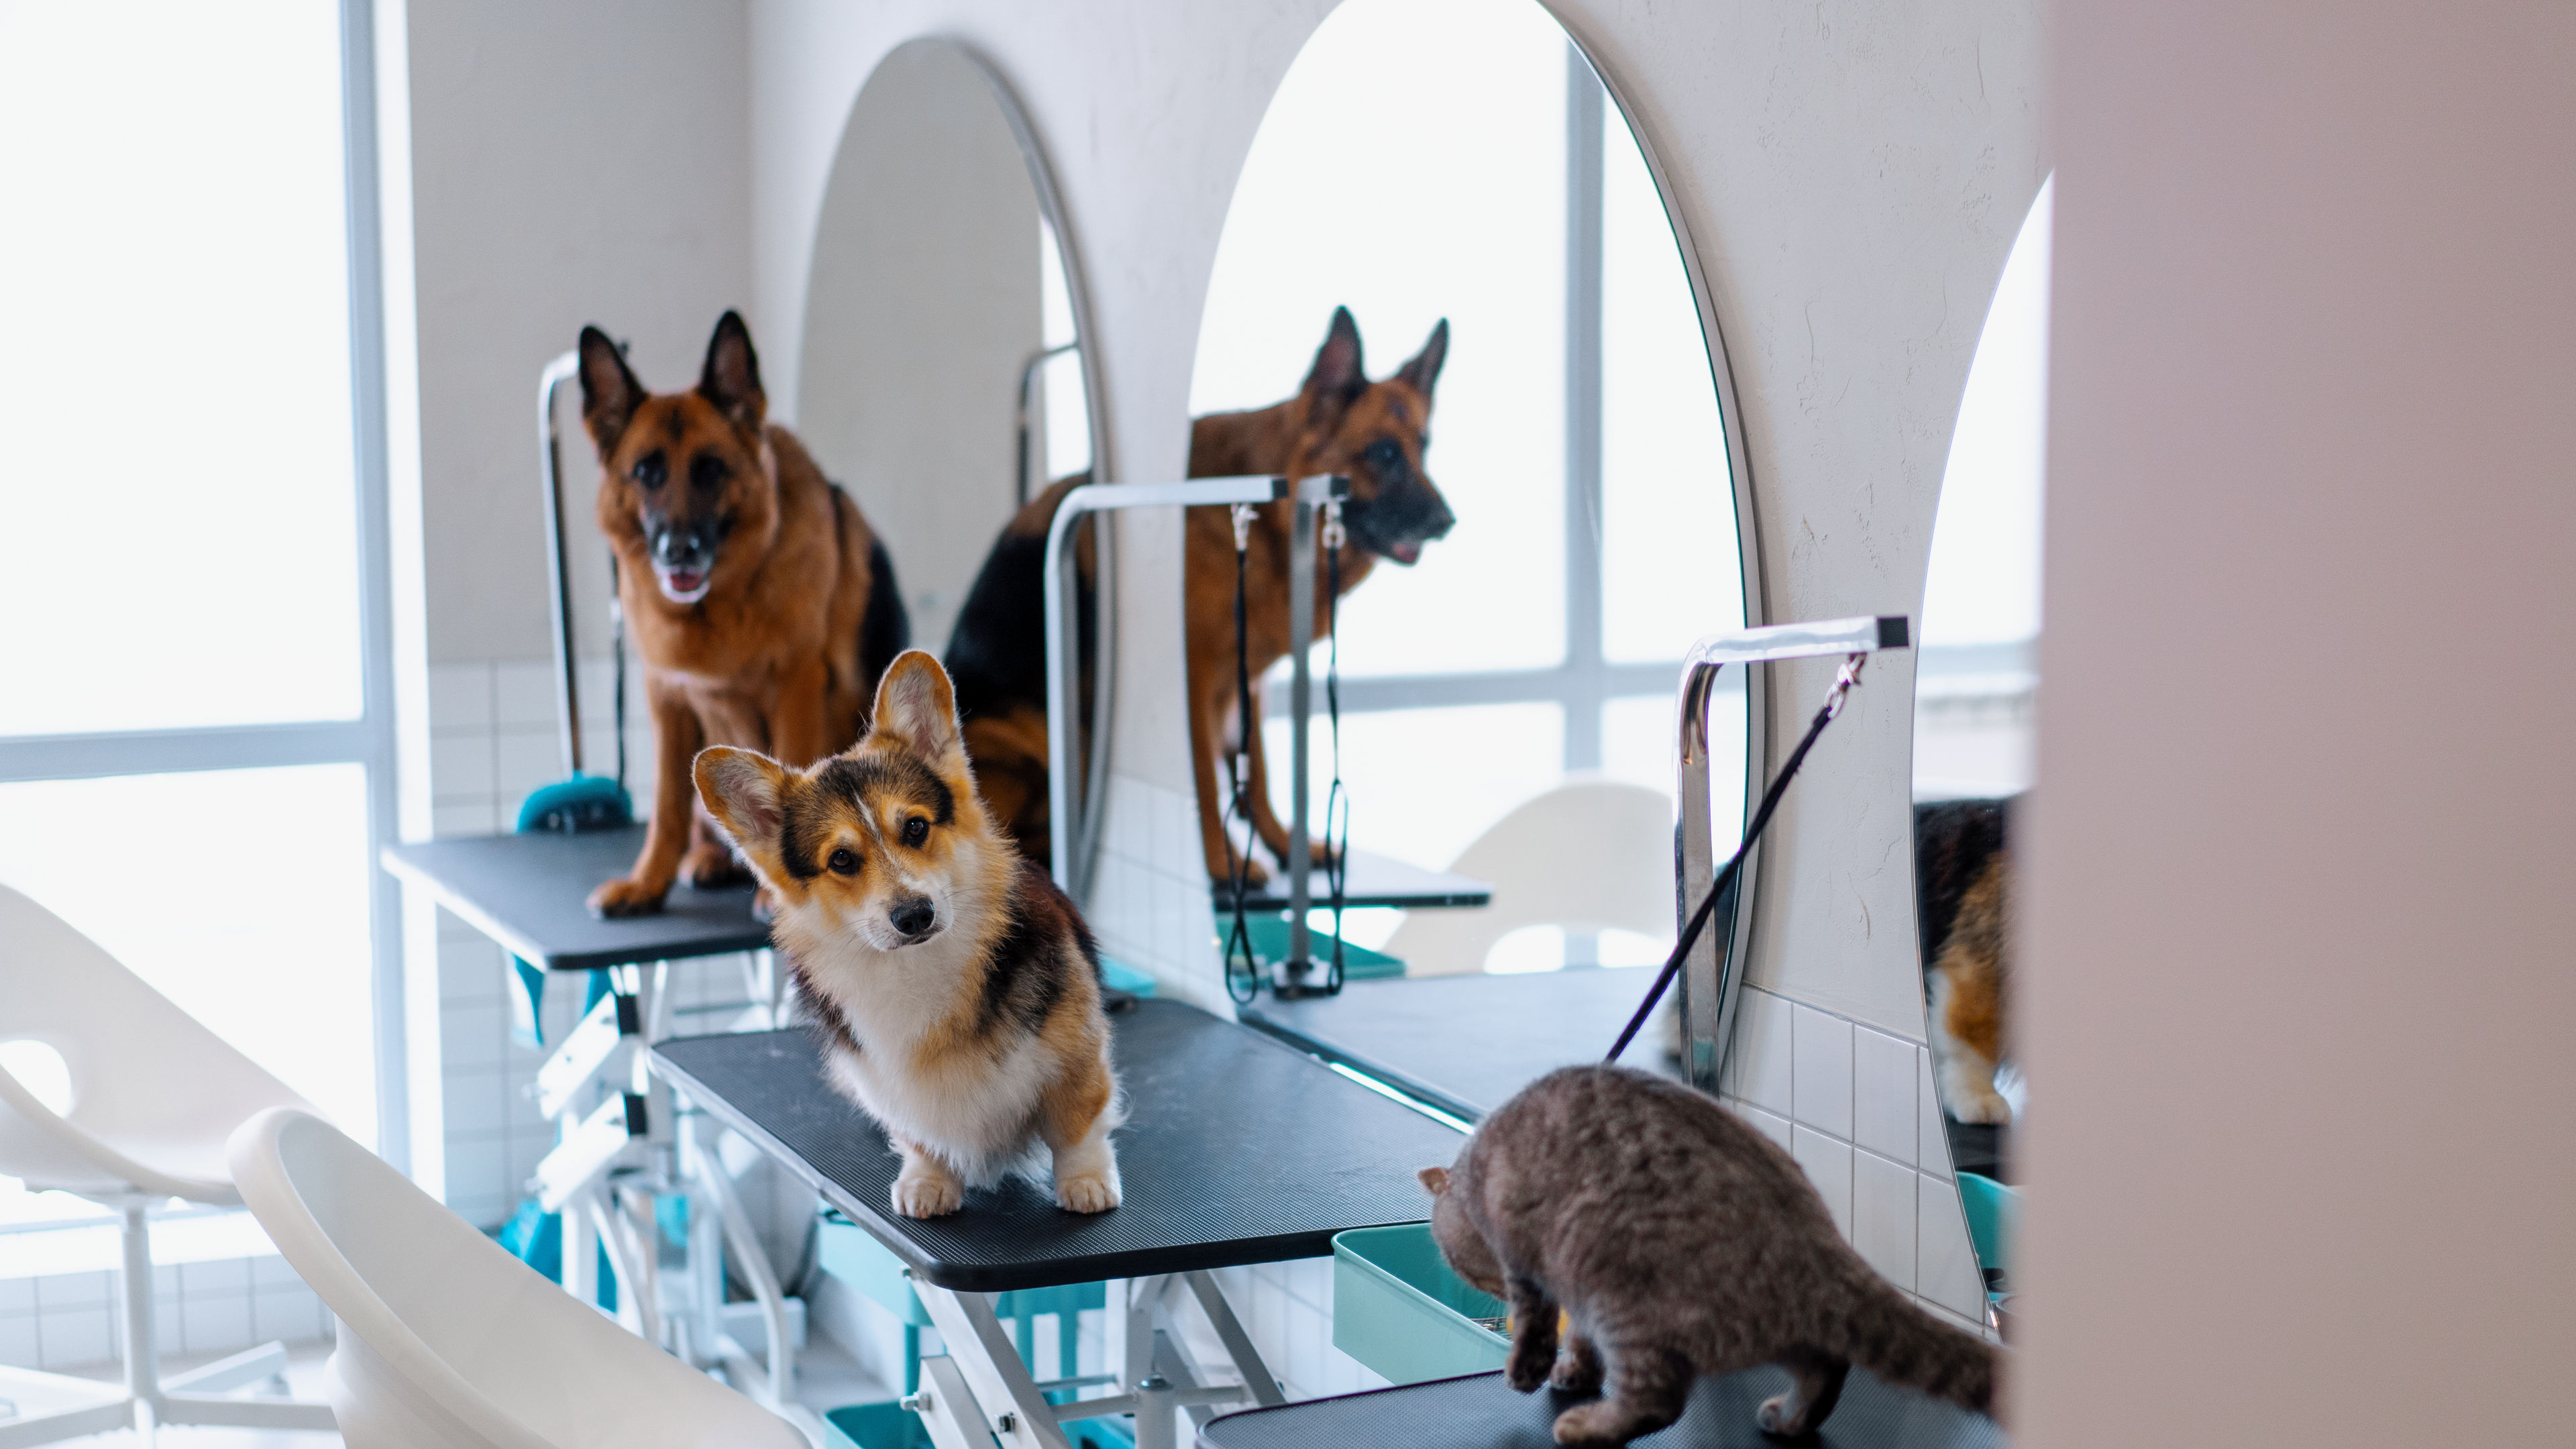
676	737
799	734
1265	817
1206	712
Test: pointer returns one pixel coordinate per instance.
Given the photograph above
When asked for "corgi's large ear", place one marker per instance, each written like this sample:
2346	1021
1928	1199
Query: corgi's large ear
609	392
1436	1179
731	378
916	705
746	792
1423	369
1337	378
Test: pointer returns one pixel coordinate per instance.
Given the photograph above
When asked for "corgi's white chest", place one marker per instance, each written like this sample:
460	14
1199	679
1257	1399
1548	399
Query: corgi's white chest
976	1113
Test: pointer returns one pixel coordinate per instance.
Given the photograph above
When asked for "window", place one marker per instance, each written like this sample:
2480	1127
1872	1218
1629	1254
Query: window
1576	431
195	742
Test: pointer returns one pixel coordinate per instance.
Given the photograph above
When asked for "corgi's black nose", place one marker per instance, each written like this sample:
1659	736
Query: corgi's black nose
912	917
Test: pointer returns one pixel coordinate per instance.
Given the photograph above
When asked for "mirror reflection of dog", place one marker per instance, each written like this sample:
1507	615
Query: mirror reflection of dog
1339	422
1963	880
762	606
957	990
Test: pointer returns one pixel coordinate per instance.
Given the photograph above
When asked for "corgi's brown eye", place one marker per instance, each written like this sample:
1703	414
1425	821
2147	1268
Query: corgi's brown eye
844	862
915	830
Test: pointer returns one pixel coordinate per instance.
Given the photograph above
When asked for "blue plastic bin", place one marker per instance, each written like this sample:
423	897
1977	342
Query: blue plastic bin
1398	1309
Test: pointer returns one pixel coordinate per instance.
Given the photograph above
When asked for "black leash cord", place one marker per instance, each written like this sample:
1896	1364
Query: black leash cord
1726	874
1337	845
1238	769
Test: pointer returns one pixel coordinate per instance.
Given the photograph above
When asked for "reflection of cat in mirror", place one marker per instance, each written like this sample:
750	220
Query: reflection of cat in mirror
1963	891
1678	1241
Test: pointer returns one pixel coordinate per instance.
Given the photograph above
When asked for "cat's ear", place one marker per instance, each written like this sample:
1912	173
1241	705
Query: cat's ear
1436	1179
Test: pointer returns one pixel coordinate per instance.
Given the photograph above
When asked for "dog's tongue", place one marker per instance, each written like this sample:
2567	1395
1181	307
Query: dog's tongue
683	585
1407	553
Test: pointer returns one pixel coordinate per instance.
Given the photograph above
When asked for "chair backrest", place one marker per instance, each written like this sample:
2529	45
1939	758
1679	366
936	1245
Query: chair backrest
154	1093
1589	855
459	1343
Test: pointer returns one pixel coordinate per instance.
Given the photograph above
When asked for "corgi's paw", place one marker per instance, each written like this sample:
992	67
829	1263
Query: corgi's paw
1087	1193
927	1194
708	866
1971	1097
628	896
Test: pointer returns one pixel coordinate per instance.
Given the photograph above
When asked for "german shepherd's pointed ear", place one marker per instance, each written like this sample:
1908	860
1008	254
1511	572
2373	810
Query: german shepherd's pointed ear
1338	377
731	378
609	392
1423	369
917	707
746	792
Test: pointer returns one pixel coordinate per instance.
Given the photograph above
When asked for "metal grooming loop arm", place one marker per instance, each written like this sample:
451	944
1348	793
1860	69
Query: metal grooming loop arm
1710	981
1072	848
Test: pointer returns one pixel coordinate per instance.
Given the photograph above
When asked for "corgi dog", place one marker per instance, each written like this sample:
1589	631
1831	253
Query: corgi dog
957	990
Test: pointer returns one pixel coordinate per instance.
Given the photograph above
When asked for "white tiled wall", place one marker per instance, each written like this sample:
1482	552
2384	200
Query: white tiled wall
493	739
1855	1106
1150	904
63	1321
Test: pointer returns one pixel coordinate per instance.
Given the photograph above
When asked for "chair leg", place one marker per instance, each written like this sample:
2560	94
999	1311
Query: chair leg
142	1343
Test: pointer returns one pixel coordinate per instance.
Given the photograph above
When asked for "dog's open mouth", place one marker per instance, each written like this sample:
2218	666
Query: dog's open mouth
682	586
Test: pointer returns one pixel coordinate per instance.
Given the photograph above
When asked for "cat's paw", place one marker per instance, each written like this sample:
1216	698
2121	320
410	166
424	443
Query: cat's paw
1604	1422
927	1195
1971	1098
1527	1371
1575	1374
1776	1416
1086	1194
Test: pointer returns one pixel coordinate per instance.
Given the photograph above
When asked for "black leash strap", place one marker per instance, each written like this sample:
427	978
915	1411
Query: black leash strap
1843	683
1337	802
1239	769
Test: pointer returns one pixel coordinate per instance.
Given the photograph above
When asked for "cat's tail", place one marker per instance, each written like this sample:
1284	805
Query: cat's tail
1902	1344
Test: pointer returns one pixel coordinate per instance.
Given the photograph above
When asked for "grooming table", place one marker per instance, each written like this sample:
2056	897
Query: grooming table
1465	1044
1483	1413
1374	880
527	892
1237	1150
616	1154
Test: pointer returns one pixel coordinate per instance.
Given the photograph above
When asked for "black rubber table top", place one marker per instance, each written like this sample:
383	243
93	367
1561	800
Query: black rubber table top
1373	880
1237	1149
1483	1413
1465	1044
527	892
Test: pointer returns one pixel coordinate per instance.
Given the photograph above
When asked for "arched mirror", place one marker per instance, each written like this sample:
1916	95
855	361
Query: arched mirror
945	377
1975	694
1448	273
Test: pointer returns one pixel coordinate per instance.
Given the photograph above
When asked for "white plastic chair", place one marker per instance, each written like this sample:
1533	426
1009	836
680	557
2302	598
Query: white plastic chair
1589	855
154	1097
448	1340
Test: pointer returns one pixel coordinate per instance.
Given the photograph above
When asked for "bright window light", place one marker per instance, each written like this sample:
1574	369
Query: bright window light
1412	167
175	385
239	894
1505	753
1984	581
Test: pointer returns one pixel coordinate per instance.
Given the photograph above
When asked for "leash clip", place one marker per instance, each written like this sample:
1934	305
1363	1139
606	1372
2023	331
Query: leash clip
1242	527
1843	682
1334	535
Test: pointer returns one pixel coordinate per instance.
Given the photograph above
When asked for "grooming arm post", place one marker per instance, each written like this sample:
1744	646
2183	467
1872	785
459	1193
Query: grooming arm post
1064	652
1312	494
567	694
1711	977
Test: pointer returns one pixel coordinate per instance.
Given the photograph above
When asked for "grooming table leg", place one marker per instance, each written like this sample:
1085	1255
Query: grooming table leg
1238	1344
774	1387
1006	1399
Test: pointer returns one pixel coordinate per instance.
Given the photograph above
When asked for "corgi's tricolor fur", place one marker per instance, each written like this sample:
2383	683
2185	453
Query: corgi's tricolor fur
763	607
957	989
1963	891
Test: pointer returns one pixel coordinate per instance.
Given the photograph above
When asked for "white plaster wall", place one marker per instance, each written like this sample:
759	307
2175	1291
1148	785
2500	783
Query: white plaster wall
2297	907
1850	176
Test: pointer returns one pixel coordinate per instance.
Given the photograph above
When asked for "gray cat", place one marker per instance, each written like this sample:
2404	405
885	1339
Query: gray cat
1679	1241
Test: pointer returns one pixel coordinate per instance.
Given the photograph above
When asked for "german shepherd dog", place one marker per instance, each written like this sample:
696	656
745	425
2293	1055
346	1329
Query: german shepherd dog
957	990
1963	889
762	605
1339	422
